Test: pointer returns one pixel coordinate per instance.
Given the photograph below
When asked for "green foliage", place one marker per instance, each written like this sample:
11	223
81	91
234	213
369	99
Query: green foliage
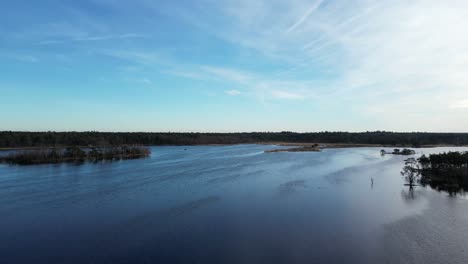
445	171
9	139
449	160
424	161
75	154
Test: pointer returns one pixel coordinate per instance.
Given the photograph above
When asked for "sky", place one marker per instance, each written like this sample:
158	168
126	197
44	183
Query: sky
234	65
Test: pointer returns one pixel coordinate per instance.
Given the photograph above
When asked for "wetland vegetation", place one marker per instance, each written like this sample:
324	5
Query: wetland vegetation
74	154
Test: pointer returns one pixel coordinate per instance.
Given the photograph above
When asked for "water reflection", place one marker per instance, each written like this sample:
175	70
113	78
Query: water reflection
220	205
291	187
449	181
450	190
408	195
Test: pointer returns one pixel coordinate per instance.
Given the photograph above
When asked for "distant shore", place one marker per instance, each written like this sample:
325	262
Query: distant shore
11	140
295	147
315	147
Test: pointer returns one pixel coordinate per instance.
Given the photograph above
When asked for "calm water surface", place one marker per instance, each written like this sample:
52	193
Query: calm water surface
229	204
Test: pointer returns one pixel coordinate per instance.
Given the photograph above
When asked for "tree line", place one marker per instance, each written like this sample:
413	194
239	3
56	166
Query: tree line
446	171
451	159
13	139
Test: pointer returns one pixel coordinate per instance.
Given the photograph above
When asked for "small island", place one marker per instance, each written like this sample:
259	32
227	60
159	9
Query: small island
404	152
296	148
75	154
312	147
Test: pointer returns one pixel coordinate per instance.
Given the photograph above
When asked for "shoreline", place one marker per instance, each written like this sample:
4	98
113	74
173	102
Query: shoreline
295	146
316	147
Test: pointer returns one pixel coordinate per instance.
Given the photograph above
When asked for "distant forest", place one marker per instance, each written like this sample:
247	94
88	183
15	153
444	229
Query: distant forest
11	139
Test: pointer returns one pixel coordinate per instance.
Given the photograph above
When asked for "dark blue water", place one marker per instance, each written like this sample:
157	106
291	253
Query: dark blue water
229	204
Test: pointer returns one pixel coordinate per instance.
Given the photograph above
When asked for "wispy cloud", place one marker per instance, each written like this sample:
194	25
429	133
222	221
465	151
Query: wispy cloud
189	74
134	56
260	86
92	38
233	92
228	74
287	95
463	104
380	60
26	58
146	81
305	15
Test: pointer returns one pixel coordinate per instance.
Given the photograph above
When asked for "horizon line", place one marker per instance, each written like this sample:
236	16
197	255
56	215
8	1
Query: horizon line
232	132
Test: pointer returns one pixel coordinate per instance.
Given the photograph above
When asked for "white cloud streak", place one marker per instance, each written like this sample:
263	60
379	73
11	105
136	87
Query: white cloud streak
287	95
463	104
92	38
305	16
26	58
228	74
407	59
233	92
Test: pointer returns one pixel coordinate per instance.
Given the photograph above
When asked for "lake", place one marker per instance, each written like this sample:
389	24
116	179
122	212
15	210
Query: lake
229	204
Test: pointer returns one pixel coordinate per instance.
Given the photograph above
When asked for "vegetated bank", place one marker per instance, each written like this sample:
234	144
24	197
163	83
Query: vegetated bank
446	171
308	147
75	154
12	139
296	148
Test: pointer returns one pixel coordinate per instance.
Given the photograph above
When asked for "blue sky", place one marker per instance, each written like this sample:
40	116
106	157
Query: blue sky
234	65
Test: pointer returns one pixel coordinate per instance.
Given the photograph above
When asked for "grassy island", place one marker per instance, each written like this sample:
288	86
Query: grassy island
75	154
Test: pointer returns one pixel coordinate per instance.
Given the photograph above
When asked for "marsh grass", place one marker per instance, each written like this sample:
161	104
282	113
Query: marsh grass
75	154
